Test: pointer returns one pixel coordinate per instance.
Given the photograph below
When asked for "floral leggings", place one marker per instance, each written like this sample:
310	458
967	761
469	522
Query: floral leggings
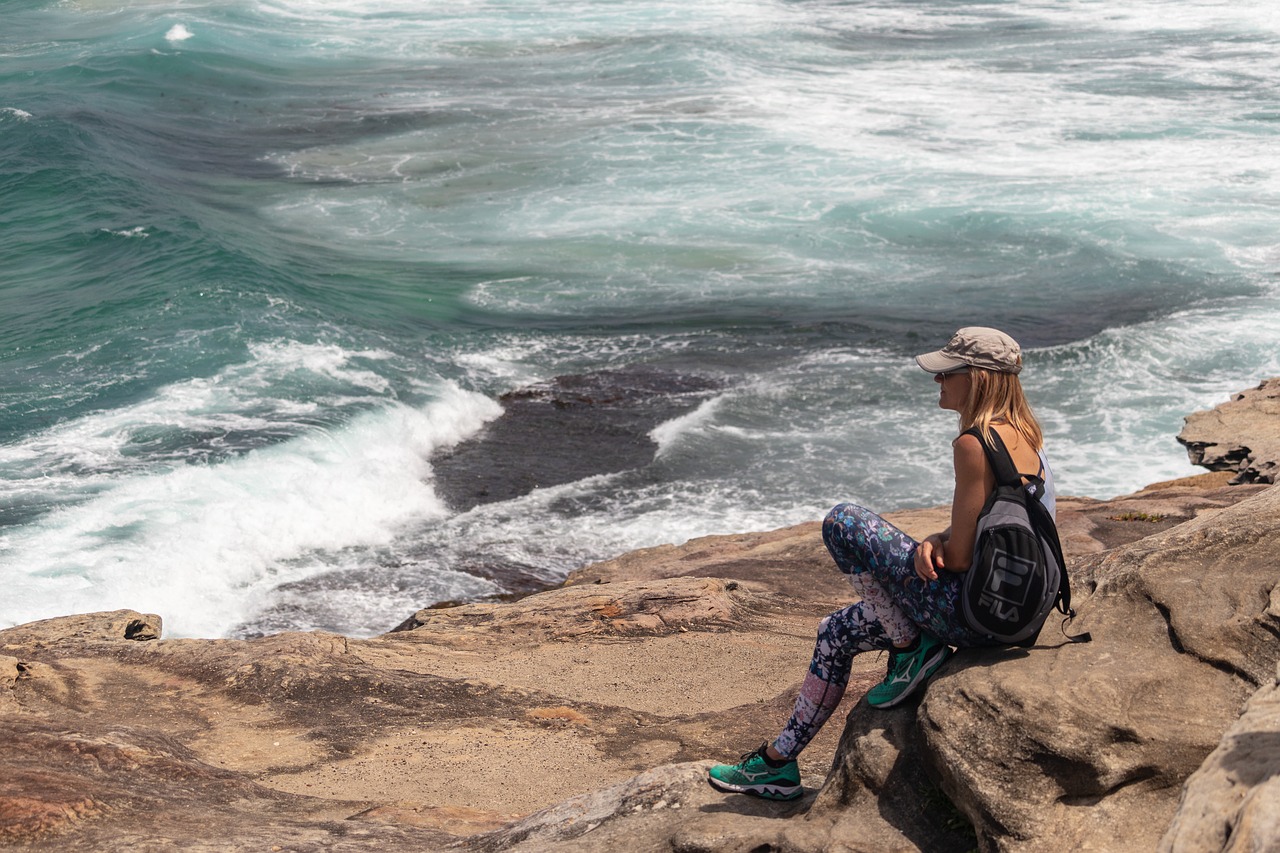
896	606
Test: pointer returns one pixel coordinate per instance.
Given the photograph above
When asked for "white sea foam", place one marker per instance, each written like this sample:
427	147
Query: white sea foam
177	34
242	398
668	433
202	544
14	112
625	516
136	231
1147	17
1113	404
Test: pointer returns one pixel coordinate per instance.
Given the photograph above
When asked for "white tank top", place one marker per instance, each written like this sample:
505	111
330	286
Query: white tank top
1050	497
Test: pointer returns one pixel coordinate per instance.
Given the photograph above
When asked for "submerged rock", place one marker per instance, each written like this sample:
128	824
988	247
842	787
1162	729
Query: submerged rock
564	430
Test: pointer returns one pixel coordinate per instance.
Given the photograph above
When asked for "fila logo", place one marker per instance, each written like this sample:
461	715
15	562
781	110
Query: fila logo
1007	582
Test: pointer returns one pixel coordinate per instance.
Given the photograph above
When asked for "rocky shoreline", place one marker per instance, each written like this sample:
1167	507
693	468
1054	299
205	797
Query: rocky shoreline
583	718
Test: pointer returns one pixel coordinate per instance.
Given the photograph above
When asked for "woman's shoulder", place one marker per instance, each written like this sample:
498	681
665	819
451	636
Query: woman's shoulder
968	451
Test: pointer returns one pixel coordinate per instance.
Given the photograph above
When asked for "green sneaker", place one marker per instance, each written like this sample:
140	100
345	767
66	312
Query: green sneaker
753	775
908	669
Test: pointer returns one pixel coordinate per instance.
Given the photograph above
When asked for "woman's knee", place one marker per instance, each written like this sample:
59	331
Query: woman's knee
840	533
843	512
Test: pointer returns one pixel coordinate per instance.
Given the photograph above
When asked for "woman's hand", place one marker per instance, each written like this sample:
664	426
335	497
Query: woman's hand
929	557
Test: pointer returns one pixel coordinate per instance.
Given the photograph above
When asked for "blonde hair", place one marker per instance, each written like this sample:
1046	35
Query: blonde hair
995	396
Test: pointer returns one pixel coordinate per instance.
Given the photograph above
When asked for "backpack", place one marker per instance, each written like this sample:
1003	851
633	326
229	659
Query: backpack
1018	574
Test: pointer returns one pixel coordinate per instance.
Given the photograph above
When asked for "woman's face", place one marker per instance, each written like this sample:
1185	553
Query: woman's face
954	390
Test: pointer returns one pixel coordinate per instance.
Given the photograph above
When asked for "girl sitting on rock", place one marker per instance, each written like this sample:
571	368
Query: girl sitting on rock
909	590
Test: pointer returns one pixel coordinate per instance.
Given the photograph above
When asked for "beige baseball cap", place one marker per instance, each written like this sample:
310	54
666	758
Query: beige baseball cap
975	346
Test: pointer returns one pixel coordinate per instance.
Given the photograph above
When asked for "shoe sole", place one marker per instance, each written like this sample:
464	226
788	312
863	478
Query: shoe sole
922	675
768	792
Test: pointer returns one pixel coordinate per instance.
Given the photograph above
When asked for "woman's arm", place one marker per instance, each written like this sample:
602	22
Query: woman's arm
953	548
971	493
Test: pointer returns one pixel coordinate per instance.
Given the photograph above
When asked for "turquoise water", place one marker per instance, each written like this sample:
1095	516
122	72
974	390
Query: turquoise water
261	260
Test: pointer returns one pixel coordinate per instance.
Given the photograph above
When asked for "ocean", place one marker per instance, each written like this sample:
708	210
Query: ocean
272	272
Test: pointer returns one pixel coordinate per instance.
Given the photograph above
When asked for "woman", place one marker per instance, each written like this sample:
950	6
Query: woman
909	591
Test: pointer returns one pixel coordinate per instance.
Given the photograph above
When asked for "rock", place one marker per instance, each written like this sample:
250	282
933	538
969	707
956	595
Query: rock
10	670
662	796
116	625
564	430
115	787
1242	435
582	718
1233	801
1061	746
405	742
1086	746
634	608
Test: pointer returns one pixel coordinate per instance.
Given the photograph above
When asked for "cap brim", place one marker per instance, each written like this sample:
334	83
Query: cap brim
937	362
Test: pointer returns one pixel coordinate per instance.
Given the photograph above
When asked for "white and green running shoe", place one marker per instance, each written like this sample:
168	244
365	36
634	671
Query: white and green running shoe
908	669
753	775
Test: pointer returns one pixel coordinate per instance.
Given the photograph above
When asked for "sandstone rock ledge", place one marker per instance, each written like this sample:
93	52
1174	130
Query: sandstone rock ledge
583	718
1241	435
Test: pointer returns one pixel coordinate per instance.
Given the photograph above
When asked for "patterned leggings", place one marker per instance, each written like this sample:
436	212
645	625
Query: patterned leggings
896	605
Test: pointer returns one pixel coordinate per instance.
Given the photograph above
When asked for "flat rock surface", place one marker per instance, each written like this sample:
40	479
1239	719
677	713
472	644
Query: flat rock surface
504	725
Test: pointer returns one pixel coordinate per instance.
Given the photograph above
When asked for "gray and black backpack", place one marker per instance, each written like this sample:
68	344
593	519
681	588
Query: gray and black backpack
1018	574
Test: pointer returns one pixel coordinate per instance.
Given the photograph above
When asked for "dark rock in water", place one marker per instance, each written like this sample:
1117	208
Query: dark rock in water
560	431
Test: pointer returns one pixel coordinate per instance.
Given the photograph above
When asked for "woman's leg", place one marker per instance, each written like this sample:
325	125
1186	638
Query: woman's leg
880	561
840	636
866	547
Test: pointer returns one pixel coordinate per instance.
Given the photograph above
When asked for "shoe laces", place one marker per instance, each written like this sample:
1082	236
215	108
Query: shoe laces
900	660
757	752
